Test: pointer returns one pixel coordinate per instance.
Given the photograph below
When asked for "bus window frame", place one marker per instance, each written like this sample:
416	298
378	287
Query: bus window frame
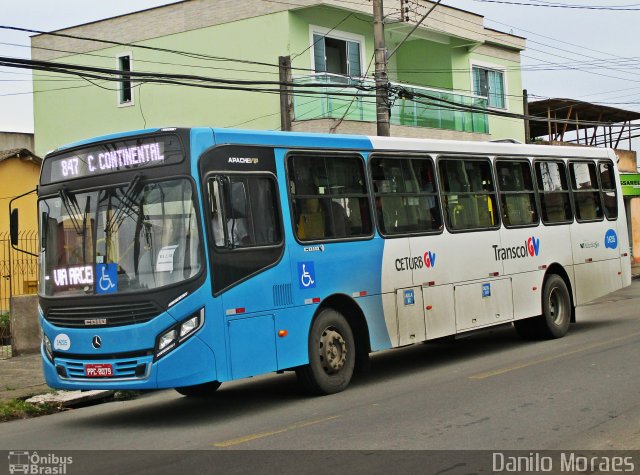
328	153
536	197
209	215
410	156
541	193
602	190
570	162
454	156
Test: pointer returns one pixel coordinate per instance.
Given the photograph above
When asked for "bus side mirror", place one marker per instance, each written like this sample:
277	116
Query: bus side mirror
14	226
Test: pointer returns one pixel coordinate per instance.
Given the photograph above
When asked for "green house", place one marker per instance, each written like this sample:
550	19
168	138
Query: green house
452	78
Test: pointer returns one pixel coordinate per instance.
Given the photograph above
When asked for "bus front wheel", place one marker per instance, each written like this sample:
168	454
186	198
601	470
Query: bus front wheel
556	312
200	390
332	354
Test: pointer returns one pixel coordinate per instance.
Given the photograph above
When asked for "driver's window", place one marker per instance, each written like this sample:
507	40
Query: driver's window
243	211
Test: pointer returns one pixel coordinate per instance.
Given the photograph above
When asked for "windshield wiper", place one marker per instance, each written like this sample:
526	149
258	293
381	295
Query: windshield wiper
84	228
127	204
73	210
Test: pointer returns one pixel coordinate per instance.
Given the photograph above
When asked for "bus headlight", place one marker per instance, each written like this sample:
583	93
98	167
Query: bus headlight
189	326
47	347
166	342
177	334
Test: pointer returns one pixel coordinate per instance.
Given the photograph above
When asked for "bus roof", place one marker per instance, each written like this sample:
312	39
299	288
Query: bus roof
363	142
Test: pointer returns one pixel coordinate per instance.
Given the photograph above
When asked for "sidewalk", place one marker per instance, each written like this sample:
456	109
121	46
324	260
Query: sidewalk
21	376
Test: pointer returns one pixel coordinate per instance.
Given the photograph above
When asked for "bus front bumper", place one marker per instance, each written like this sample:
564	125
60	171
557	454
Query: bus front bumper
189	364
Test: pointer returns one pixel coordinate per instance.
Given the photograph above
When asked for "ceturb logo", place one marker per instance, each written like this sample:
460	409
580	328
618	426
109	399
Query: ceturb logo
243	160
531	248
428	259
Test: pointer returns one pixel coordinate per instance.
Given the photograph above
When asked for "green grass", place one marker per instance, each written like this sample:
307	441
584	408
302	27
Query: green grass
18	409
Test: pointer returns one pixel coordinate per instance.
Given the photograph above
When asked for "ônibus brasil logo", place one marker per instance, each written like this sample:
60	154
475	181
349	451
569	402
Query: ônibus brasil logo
428	259
530	248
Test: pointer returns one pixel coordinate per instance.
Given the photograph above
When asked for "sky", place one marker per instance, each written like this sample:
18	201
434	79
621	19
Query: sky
573	53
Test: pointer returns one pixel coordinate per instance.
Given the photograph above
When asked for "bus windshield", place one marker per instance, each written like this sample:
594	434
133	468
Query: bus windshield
119	239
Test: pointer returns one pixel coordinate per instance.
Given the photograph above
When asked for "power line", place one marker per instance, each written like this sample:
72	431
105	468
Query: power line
565	5
202	56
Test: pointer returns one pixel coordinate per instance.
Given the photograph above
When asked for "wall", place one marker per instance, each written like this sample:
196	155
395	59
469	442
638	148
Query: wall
302	54
87	111
462	60
84	110
369	128
424	63
11	140
16	177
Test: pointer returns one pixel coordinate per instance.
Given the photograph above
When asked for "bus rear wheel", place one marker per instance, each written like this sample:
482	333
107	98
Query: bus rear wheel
556	312
200	390
331	354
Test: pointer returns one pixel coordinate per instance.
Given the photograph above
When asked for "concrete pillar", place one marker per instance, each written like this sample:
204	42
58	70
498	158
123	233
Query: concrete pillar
25	332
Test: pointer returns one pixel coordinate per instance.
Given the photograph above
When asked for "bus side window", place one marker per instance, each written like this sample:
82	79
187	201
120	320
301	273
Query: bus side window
244	211
608	187
469	195
329	197
517	194
406	195
584	184
553	189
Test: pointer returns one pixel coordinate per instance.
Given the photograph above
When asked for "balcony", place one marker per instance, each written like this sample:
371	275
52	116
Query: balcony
435	108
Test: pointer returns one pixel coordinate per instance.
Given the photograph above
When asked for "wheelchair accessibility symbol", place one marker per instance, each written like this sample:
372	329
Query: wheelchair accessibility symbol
306	275
107	278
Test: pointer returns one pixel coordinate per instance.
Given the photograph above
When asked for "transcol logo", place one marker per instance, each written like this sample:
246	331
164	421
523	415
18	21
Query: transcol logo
531	248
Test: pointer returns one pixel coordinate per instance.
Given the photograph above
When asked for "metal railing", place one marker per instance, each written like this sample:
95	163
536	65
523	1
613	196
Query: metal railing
419	106
18	276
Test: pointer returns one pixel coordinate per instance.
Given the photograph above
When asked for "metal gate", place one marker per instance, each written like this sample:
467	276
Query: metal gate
18	276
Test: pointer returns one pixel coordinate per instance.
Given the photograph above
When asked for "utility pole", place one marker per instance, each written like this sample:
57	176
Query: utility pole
382	81
284	66
525	110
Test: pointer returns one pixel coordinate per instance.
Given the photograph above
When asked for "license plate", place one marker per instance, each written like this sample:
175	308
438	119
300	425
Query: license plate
98	370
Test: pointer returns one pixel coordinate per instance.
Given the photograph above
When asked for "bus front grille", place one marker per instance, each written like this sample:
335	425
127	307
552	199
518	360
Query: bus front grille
103	315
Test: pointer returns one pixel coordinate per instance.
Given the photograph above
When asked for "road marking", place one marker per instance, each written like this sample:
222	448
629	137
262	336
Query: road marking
260	435
498	372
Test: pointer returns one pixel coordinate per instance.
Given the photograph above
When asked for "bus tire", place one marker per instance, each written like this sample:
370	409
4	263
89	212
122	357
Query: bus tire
332	354
556	307
556	312
200	390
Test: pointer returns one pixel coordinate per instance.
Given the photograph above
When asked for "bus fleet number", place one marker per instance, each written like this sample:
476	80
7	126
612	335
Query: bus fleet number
69	167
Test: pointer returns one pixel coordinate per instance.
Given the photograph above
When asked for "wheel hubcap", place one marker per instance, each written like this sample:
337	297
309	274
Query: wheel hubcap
333	350
556	306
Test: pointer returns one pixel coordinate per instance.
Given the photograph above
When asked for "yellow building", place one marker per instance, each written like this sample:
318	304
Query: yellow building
19	172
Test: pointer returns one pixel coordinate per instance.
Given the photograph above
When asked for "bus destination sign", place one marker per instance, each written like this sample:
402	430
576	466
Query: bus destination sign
112	157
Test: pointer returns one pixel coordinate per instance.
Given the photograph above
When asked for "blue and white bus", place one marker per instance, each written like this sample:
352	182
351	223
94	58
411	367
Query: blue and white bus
185	258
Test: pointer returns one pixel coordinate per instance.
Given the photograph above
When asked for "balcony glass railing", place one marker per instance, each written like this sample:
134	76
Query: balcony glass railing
418	107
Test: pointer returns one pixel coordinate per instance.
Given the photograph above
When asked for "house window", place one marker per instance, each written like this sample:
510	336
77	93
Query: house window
125	91
489	83
336	56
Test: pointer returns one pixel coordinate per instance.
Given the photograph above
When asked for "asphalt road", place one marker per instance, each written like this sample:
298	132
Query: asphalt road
489	391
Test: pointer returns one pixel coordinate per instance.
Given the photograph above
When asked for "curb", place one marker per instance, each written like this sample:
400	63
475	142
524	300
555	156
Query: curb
70	398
